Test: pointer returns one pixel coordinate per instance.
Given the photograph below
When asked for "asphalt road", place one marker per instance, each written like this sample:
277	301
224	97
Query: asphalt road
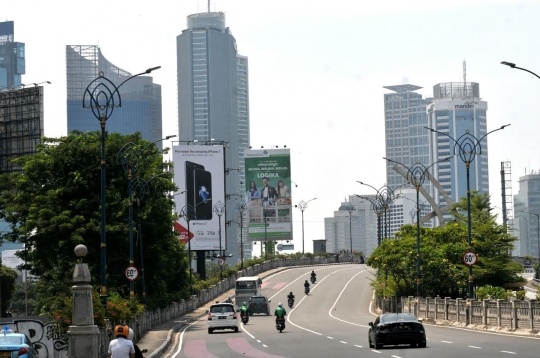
332	321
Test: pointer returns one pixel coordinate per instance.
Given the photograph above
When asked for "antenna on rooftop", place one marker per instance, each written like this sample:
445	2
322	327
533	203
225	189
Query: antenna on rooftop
464	78
208	6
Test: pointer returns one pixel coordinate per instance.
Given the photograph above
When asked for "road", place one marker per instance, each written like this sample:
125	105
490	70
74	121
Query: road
332	321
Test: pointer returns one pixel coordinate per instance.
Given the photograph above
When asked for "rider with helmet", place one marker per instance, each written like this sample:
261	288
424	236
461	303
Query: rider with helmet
244	309
306	285
290	296
280	312
313	274
121	347
138	352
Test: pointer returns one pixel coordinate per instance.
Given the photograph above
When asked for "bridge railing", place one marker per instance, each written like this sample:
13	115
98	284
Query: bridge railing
496	313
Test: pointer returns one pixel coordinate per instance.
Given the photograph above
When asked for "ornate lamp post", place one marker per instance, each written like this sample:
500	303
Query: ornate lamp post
377	207
303	206
537	231
102	96
351	208
188	214
416	175
385	196
219	210
241	208
467	146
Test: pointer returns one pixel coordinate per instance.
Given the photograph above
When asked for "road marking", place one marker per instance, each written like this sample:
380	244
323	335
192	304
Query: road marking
337	299
242	347
358	346
373	350
395	356
265	346
182	338
246	331
508	352
329	337
343	342
475	347
197	348
446	342
258	341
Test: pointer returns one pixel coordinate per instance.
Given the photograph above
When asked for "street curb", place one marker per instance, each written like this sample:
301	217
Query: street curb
165	345
483	328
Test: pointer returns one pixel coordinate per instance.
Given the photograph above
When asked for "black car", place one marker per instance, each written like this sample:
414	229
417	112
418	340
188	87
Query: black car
259	304
396	328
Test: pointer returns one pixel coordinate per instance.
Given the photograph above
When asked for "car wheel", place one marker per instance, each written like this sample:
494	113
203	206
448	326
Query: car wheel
370	344
210	331
377	345
235	329
268	313
251	313
421	345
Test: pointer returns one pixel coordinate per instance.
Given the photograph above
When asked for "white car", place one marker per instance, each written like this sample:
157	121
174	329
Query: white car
222	316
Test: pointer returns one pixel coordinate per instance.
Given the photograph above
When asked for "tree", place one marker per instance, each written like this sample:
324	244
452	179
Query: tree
54	205
441	250
8	276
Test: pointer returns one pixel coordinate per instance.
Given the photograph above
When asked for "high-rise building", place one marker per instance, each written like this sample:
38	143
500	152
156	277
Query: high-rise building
526	209
12	57
141	98
213	103
457	109
407	141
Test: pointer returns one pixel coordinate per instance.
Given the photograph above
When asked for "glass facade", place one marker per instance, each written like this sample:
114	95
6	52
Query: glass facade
141	98
12	57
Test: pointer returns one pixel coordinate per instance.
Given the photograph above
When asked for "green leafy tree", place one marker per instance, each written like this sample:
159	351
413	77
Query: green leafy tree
441	249
24	297
8	276
55	204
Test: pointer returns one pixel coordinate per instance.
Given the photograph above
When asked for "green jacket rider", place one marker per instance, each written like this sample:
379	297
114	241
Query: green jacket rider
280	311
244	308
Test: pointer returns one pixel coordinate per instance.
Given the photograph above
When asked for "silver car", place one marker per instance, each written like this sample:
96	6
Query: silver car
222	316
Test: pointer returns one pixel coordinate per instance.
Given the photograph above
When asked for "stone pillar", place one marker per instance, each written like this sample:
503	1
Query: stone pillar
83	334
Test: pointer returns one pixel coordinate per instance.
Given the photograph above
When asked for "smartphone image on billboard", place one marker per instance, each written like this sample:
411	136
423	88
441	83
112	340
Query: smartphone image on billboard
203	198
191	193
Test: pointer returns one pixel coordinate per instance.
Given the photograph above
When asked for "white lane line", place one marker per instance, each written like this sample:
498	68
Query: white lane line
265	346
446	342
305	296
329	337
374	351
258	341
475	347
182	339
356	345
246	331
337	299
395	356
508	352
343	342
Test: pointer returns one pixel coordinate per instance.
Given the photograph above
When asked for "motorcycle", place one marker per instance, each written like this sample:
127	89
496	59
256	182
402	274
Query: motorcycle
280	324
291	302
244	317
306	291
313	279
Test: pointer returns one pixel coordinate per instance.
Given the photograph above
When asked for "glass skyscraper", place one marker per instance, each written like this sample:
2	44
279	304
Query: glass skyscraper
456	109
12	57
213	102
528	200
141	98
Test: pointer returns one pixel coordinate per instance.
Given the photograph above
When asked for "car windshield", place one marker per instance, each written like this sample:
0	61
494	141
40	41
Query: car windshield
258	300
398	317
221	309
10	339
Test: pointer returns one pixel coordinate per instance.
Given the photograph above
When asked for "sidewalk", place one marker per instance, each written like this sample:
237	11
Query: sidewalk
159	338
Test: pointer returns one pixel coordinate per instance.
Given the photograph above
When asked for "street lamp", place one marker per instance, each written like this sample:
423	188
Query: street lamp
128	157
303	206
416	175
513	65
188	214
102	96
350	208
467	146
537	231
219	210
377	207
241	208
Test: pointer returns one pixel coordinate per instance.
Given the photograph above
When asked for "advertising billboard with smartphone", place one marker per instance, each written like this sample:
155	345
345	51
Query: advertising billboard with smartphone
199	173
268	190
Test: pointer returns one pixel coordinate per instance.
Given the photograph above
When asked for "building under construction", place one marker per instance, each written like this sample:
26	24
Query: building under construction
21	125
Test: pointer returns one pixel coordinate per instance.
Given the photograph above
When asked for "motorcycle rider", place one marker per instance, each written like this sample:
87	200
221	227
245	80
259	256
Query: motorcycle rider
280	313
244	309
313	274
290	296
306	285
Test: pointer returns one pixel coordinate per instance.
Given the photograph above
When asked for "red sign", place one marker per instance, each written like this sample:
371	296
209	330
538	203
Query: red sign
183	232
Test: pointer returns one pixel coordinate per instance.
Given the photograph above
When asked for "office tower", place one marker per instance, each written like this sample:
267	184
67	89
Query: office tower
12	57
456	109
354	219
213	103
141	98
526	209
407	141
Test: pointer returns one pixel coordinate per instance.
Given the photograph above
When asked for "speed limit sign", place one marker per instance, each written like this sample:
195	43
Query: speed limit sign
131	273
470	258
221	262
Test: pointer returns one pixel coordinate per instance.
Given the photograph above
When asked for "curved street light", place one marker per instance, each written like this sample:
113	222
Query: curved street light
467	146
303	206
241	208
219	210
188	213
416	175
350	208
102	96
513	65
377	207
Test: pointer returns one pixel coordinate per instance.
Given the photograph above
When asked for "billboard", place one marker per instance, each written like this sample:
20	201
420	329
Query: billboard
268	189
199	173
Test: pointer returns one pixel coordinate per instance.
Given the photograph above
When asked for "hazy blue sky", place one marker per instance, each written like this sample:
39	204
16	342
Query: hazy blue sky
316	70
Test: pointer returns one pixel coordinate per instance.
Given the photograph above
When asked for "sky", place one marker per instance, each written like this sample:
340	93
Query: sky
316	74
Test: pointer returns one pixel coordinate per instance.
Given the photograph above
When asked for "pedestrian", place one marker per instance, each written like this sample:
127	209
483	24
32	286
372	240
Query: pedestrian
121	347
